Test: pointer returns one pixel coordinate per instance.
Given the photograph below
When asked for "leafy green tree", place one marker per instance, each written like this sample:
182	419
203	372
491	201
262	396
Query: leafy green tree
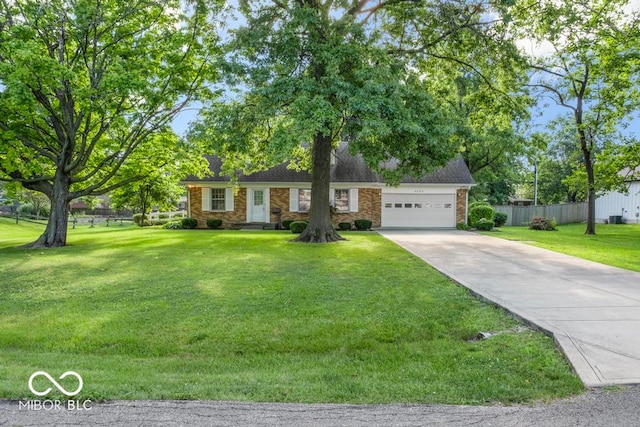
618	164
311	73
85	88
590	70
155	190
37	201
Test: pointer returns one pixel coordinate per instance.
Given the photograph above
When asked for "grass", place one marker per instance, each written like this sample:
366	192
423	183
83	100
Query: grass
614	244
249	316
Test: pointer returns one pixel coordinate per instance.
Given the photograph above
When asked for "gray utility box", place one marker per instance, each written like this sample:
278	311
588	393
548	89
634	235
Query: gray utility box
615	219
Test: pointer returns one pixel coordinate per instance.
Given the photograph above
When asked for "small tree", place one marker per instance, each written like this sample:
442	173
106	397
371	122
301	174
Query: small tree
591	69
141	196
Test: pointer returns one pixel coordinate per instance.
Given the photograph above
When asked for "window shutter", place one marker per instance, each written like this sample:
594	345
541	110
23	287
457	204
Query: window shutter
294	195
228	199
332	196
206	199
353	200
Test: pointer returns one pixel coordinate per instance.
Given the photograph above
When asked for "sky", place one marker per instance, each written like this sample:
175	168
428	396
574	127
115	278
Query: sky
546	111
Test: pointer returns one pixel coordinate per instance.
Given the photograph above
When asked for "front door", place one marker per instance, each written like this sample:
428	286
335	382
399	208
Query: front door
258	207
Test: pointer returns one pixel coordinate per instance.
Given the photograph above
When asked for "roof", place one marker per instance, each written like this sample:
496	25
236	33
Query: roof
347	169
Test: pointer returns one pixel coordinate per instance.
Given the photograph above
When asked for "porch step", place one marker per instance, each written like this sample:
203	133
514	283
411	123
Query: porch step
254	226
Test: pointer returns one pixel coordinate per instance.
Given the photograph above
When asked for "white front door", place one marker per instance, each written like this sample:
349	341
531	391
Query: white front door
258	206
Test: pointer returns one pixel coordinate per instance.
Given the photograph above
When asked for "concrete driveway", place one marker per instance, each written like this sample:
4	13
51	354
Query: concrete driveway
592	310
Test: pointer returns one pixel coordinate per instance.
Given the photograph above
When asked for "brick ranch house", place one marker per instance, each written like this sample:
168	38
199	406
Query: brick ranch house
438	200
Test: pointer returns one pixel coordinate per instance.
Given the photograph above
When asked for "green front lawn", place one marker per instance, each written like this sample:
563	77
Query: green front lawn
236	315
614	244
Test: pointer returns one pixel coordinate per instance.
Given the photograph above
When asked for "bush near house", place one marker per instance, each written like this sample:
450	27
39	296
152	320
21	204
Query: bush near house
173	225
480	211
344	226
298	227
214	223
462	226
484	224
500	219
478	203
189	223
286	223
543	223
363	224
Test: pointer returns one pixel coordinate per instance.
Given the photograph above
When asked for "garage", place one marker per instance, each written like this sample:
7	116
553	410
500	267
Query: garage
418	210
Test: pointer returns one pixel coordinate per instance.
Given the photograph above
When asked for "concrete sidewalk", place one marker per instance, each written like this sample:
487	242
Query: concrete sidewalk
592	310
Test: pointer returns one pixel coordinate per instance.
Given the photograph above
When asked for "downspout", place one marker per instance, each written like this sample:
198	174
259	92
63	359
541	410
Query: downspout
189	201
466	207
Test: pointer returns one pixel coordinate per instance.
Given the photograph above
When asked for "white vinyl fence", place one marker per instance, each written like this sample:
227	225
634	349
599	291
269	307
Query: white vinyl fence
564	213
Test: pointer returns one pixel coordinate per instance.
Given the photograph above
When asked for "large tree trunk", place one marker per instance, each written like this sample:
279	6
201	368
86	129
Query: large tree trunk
320	228
55	235
591	192
587	153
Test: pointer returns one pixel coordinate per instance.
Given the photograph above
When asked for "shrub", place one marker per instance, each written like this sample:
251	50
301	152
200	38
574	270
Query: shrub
462	226
189	223
344	226
478	203
298	227
137	219
543	223
173	225
362	224
484	224
214	223
478	212
499	219
163	216
286	223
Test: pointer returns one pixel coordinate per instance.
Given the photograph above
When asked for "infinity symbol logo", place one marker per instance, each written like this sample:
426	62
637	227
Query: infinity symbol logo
55	383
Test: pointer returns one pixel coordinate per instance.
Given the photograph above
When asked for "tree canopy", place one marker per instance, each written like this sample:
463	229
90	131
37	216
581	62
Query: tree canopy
85	88
312	73
587	63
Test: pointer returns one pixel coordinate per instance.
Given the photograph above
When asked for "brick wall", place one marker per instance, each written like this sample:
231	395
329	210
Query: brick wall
461	205
239	214
369	207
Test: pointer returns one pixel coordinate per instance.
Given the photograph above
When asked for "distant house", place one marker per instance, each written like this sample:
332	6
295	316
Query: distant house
616	204
437	200
520	201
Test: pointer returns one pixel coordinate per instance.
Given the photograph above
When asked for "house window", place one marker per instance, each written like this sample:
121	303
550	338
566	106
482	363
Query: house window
304	200
217	199
341	203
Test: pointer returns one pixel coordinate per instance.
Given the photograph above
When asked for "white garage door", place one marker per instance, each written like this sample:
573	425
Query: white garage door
418	210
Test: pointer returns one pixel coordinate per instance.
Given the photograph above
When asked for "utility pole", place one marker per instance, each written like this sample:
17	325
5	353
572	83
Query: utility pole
535	182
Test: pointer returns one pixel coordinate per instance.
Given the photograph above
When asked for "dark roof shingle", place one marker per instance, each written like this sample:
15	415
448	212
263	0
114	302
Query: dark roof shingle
347	168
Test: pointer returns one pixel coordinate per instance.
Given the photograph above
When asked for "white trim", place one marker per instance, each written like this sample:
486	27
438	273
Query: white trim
228	199
353	200
294	194
206	199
